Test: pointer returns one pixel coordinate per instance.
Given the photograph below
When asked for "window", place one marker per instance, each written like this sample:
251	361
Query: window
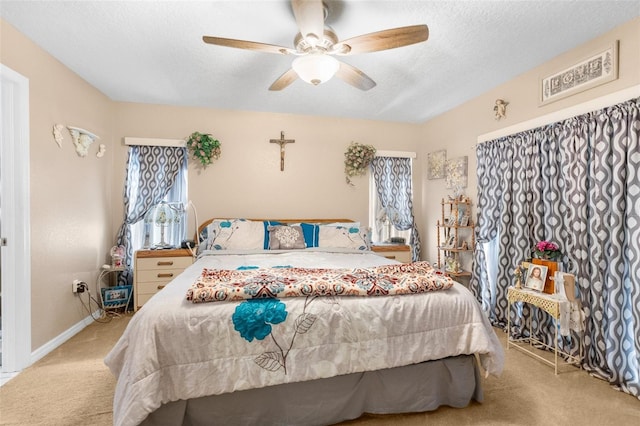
145	234
382	216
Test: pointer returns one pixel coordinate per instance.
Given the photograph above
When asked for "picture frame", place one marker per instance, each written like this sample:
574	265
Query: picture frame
598	68
536	277
117	296
464	220
436	164
456	173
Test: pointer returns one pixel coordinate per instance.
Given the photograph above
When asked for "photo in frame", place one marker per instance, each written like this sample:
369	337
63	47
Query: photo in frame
118	296
436	163
599	68
456	173
464	220
536	277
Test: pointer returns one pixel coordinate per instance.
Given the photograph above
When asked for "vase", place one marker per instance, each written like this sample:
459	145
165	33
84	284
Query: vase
552	267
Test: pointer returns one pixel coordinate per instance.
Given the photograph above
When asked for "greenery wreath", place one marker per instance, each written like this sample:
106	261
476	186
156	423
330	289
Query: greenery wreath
204	148
357	159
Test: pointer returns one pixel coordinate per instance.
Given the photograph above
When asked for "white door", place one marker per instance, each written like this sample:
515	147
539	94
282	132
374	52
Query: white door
15	262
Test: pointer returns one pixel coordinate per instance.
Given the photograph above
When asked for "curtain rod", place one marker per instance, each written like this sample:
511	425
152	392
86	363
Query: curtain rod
154	142
398	154
563	114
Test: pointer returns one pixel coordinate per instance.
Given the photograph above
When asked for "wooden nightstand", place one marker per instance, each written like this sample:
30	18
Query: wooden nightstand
153	269
399	252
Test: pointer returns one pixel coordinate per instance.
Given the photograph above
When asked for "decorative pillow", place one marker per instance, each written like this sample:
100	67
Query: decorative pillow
343	237
234	234
284	237
310	232
268	223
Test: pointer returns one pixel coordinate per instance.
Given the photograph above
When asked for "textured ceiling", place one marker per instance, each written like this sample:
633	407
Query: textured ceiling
152	51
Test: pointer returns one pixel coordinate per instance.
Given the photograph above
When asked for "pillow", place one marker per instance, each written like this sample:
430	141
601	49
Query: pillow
310	232
268	223
352	237
343	224
282	237
234	234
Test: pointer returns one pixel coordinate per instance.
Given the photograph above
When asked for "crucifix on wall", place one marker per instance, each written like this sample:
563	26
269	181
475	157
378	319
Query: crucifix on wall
282	142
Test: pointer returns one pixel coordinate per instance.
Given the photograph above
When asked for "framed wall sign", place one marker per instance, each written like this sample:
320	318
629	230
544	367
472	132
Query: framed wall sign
599	68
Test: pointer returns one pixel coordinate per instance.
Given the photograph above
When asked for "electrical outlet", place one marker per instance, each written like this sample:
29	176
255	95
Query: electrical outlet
78	286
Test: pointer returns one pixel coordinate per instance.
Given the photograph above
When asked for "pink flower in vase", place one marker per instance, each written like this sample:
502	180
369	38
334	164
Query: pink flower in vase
547	250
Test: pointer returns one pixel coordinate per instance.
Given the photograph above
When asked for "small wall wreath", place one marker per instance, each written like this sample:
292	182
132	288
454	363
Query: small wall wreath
204	148
357	159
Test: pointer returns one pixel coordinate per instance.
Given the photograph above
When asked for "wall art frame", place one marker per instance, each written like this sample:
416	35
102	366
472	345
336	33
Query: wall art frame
598	68
456	173
436	162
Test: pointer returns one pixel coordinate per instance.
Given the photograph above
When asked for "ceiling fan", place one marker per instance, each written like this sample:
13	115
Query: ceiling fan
316	44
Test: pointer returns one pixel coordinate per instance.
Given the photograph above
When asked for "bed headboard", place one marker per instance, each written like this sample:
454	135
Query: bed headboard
204	224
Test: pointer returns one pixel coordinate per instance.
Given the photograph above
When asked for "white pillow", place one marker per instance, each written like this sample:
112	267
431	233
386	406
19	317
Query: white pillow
337	236
234	234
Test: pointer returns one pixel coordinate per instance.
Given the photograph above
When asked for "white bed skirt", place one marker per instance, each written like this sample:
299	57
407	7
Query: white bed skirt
454	382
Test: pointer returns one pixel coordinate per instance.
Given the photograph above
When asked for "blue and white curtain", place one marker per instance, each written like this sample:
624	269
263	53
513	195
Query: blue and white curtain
151	173
577	183
392	177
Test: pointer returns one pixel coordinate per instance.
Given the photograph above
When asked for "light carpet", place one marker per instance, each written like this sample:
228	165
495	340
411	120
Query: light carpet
72	386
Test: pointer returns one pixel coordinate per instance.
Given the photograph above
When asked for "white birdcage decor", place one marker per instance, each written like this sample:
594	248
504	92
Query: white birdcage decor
163	226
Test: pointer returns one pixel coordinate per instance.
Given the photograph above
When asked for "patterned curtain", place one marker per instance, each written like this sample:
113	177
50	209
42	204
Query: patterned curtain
503	175
392	176
151	172
575	182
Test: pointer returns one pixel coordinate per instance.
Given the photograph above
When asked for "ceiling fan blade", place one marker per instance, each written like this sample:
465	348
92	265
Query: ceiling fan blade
248	45
310	18
382	40
284	80
355	77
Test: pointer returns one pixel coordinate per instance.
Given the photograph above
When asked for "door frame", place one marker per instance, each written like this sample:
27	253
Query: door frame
15	224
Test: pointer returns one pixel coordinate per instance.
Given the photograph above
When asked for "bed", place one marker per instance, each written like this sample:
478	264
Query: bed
302	352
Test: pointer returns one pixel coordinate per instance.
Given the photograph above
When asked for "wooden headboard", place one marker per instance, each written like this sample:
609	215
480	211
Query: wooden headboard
204	224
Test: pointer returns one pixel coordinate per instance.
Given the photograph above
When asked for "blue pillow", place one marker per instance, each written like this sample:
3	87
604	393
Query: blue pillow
310	232
268	223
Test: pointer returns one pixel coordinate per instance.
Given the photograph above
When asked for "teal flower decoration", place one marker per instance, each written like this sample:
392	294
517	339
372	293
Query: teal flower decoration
253	318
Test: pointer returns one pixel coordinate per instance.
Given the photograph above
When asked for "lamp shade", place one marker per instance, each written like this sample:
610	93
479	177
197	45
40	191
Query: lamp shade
316	68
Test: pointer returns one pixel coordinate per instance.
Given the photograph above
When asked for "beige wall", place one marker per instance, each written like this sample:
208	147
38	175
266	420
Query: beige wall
457	130
70	196
246	181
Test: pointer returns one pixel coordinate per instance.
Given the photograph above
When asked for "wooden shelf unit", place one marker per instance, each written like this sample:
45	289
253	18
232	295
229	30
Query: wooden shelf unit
456	236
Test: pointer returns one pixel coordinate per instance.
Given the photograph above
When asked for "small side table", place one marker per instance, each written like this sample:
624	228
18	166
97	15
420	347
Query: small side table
105	272
550	303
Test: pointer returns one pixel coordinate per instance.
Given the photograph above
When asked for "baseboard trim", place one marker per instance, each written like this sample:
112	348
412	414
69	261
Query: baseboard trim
52	344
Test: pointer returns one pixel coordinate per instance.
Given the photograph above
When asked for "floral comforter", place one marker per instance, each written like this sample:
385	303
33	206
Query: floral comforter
173	349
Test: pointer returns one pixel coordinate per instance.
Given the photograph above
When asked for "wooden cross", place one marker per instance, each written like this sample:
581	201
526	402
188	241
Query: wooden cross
282	142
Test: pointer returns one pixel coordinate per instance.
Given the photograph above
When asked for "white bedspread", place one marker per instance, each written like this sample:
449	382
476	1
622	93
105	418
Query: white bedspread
174	349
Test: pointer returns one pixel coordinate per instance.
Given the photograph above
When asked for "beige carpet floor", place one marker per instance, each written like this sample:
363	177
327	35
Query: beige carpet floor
72	386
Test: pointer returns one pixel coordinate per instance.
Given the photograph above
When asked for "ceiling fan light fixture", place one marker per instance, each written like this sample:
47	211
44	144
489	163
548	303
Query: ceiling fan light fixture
316	68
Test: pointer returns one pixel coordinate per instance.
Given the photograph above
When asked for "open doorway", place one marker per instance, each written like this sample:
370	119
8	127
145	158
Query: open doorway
15	248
